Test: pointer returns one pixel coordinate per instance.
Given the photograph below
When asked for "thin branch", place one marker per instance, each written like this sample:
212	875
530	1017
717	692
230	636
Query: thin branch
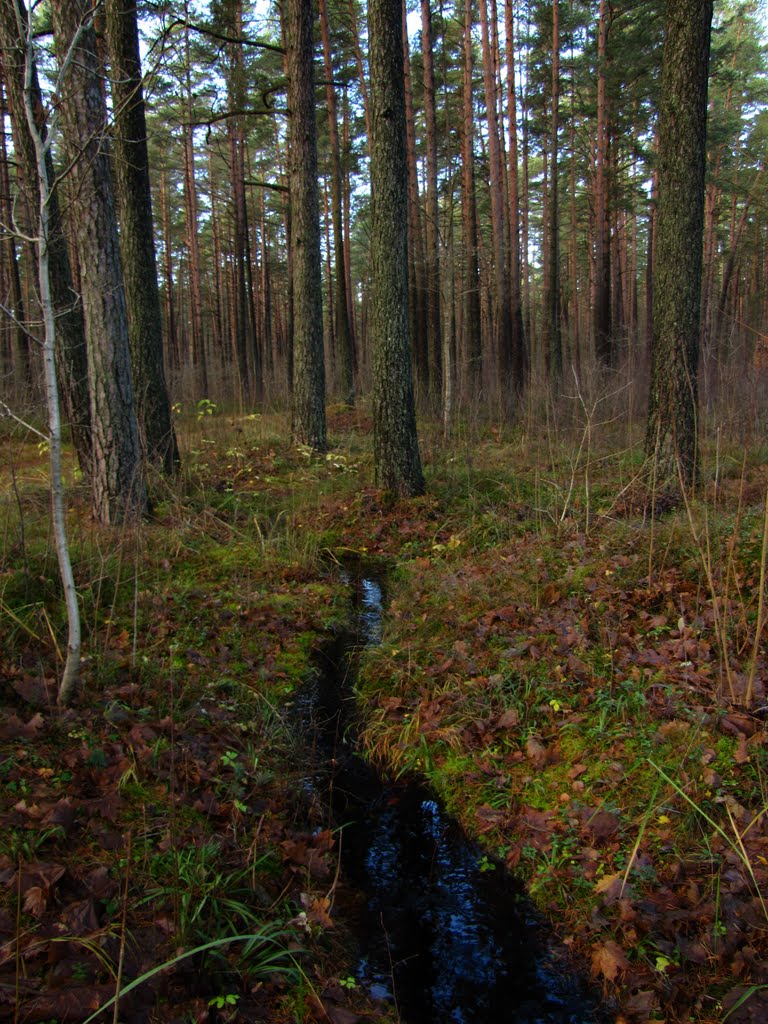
214	118
17	323
204	30
6	411
266	184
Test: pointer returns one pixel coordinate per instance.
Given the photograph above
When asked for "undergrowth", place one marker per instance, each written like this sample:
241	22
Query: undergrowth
575	666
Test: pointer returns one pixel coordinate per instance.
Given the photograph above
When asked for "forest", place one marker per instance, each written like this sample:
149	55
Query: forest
383	511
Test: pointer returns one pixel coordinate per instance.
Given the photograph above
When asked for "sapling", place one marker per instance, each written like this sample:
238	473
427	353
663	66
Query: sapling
42	144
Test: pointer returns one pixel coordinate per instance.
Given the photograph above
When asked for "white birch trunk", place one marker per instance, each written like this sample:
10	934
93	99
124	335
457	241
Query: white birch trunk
72	664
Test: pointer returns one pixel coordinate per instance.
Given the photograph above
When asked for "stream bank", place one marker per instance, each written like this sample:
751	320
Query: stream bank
443	932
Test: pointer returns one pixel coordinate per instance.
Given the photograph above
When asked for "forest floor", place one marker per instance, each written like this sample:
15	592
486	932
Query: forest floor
577	671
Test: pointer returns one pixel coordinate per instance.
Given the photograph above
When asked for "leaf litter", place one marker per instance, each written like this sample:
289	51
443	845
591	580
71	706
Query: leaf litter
570	704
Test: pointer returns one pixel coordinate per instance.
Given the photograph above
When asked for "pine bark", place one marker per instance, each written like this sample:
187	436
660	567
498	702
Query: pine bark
342	326
602	306
396	450
137	242
552	299
471	333
432	232
198	356
309	426
117	482
671	439
519	346
416	255
502	319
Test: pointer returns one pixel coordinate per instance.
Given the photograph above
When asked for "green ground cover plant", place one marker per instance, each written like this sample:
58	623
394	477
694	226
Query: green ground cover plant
576	667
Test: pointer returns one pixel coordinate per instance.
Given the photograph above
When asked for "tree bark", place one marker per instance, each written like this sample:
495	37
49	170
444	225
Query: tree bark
71	353
16	349
198	357
308	364
671	439
42	225
519	345
396	449
602	326
552	300
502	319
343	329
416	257
117	481
432	233
137	240
472	371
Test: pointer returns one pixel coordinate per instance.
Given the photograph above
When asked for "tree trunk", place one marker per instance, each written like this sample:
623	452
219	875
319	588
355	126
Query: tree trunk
737	232
502	320
396	449
602	306
174	357
416	304
432	233
472	371
343	330
197	355
117	481
673	403
308	364
519	346
71	353
16	353
137	241
554	347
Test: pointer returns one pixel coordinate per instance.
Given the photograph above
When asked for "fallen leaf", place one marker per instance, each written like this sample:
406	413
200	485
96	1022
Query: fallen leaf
603	824
507	720
317	908
536	750
62	814
610	887
609	961
741	754
69	1005
36	900
80	918
339	1015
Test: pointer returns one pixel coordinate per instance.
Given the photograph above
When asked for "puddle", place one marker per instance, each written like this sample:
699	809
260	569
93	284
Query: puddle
442	934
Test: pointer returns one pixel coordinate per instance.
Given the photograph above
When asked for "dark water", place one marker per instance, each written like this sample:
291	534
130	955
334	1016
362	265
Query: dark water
443	939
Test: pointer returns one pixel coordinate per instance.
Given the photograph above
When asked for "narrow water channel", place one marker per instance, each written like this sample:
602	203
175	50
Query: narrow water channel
441	936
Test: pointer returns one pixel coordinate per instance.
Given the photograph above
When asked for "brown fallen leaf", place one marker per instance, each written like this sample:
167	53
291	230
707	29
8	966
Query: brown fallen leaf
603	824
536	751
741	753
68	1005
317	909
609	961
80	918
36	900
507	719
62	814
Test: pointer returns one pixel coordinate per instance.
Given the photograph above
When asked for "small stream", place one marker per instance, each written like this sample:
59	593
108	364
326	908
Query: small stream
440	938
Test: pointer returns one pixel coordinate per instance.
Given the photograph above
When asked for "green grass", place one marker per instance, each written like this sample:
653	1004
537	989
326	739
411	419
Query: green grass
550	654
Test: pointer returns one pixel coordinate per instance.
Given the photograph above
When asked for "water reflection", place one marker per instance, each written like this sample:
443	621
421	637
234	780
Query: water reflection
442	935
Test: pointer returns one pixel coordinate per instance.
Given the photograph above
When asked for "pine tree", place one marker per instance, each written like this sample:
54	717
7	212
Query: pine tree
396	449
671	440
